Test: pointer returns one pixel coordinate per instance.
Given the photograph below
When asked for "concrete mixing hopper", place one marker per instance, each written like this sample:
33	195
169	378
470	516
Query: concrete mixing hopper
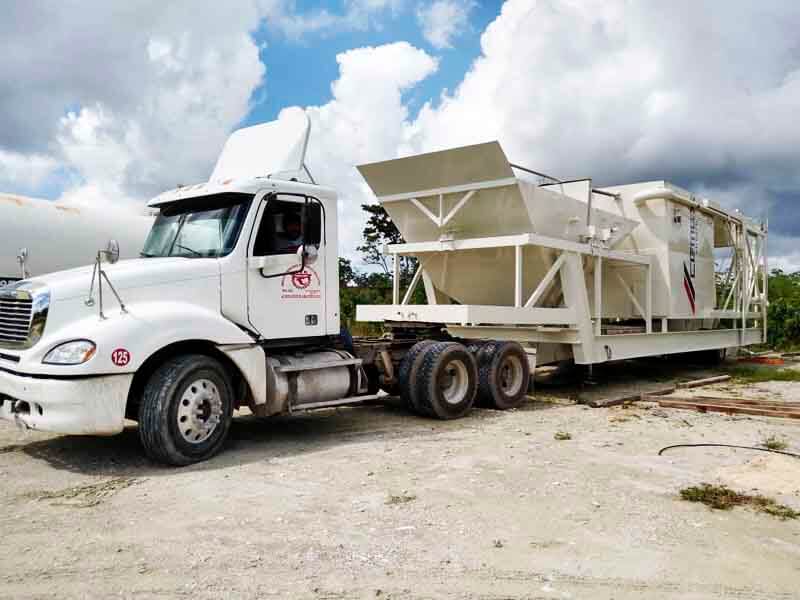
473	193
571	271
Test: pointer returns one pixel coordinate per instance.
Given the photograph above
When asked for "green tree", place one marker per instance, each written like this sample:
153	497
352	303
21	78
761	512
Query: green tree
381	230
374	287
783	314
347	272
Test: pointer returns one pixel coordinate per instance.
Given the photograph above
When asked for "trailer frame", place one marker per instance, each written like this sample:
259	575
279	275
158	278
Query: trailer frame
574	323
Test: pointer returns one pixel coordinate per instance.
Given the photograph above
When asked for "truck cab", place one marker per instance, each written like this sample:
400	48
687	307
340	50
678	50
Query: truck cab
233	299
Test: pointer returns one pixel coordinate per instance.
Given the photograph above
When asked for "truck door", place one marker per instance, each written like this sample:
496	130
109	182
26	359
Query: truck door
286	268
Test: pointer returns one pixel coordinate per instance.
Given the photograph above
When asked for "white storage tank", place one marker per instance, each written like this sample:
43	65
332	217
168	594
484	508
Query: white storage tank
62	236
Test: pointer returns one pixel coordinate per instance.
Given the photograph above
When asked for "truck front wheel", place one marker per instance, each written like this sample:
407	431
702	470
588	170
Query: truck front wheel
186	410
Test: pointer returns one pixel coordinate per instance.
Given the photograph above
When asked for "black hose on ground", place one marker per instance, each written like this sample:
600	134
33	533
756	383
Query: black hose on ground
660	452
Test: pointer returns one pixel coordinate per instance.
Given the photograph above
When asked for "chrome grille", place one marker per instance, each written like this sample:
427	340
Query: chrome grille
23	313
15	319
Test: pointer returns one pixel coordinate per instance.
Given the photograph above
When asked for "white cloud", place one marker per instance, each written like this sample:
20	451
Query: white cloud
618	91
24	170
366	120
194	94
702	94
443	20
155	93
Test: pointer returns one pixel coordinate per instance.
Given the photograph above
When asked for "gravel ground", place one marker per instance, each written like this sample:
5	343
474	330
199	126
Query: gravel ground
371	502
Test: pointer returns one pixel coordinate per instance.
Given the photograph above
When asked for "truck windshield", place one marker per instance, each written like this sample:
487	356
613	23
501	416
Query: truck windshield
204	227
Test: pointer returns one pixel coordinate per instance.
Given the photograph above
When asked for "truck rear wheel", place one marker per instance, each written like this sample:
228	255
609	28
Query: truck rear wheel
503	375
446	380
407	376
186	410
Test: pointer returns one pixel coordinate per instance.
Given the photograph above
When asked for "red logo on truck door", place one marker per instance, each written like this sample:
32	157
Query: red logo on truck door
300	285
120	357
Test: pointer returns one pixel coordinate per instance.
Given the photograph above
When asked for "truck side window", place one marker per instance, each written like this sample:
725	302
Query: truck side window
285	226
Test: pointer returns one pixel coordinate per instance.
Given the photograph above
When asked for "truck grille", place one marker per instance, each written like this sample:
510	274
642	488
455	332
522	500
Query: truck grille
23	313
15	319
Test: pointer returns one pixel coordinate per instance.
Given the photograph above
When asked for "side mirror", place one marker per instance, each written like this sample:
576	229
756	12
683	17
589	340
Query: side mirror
22	259
309	252
112	251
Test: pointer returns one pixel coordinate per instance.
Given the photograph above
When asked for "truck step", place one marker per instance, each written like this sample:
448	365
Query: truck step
351	401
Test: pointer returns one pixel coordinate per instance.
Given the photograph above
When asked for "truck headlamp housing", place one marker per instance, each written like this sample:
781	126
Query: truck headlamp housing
75	352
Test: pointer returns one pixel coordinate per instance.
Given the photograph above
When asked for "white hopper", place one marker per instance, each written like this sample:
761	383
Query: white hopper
473	192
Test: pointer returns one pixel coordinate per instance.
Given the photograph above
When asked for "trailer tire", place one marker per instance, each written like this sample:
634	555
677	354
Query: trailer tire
503	375
447	380
174	396
407	376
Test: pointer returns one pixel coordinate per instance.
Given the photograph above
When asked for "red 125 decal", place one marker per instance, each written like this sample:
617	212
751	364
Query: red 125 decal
120	357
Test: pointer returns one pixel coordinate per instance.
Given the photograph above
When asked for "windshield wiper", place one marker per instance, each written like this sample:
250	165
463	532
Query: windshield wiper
195	252
146	255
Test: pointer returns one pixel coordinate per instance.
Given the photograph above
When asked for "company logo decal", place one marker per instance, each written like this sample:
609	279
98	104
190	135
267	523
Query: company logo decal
120	357
300	285
688	286
690	269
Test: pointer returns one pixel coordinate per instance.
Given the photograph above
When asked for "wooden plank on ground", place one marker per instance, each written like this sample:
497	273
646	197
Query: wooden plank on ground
748	401
729	409
626	397
777	404
706	381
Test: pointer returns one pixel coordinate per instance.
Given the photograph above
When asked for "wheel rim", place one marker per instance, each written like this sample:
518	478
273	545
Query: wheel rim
454	382
199	411
511	375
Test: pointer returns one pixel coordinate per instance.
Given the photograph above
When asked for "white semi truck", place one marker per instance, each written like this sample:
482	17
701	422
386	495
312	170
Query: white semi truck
235	302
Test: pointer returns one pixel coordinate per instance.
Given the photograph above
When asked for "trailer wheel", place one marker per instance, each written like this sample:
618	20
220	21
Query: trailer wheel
503	375
186	410
407	375
447	380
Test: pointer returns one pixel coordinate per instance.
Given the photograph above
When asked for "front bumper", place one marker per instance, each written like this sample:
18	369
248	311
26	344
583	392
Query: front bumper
87	405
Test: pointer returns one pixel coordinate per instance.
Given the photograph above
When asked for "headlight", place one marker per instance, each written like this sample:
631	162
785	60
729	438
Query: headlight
76	352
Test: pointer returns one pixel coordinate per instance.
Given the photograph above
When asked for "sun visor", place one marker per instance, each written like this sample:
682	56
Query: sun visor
459	166
267	149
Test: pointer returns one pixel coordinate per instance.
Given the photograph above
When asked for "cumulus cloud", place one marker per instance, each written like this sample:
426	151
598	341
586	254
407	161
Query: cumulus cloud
700	94
128	100
443	20
620	92
366	120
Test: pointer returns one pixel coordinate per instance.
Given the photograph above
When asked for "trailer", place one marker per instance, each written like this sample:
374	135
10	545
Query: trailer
571	271
234	301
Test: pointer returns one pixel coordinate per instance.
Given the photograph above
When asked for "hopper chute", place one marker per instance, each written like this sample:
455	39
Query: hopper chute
472	196
473	191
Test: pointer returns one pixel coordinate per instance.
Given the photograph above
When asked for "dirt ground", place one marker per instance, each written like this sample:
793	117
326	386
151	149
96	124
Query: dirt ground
372	502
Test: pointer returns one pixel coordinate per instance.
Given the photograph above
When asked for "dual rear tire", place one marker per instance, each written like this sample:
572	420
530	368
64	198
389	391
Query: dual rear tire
445	379
503	375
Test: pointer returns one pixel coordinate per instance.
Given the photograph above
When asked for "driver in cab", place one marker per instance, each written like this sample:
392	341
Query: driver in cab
291	238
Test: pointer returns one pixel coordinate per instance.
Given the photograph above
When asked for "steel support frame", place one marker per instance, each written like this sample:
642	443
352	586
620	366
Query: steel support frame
577	325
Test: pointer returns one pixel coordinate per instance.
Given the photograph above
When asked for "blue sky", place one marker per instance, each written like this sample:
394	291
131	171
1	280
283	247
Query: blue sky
300	71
